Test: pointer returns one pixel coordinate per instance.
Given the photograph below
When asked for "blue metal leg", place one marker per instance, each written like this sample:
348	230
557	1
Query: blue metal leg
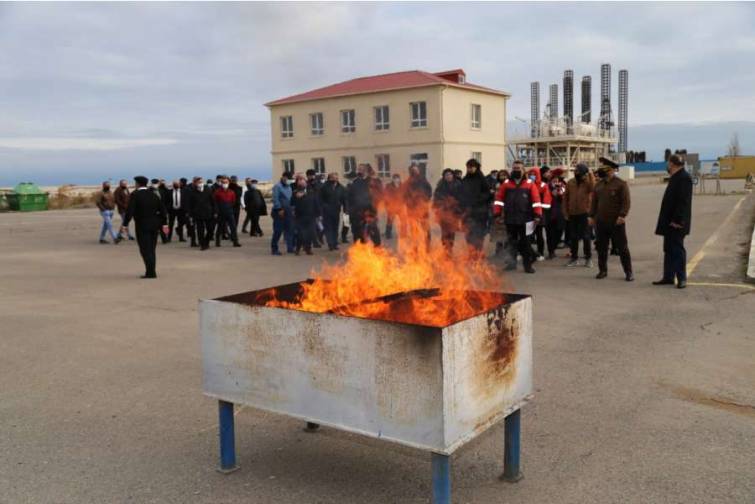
441	479
512	434
227	438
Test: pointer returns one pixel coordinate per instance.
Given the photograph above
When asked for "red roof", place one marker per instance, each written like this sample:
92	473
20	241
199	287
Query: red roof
386	82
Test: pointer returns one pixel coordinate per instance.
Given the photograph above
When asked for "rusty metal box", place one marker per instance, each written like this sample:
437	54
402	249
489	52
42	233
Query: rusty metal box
433	388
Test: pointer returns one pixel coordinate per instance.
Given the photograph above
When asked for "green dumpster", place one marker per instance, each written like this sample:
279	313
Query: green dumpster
27	197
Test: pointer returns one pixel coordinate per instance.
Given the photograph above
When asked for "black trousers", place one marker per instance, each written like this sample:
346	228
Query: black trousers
474	232
519	242
147	240
674	256
364	227
305	234
203	229
236	215
578	230
617	234
389	226
180	216
225	221
447	236
553	233
330	223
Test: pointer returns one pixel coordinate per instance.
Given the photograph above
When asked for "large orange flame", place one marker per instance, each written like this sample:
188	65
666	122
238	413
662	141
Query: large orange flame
452	286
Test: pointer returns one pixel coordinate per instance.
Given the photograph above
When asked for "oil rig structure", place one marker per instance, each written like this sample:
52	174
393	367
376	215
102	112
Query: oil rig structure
567	139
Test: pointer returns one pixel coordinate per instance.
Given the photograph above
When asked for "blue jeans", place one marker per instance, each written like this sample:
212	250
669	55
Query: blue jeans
282	225
107	224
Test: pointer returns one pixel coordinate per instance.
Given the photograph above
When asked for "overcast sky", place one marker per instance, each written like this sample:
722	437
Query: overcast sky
90	89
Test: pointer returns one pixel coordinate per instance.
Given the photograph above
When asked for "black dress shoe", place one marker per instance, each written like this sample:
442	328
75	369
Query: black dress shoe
682	284
629	277
148	276
663	281
528	269
601	274
236	244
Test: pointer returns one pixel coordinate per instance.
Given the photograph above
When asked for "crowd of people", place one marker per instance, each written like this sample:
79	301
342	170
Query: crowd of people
528	213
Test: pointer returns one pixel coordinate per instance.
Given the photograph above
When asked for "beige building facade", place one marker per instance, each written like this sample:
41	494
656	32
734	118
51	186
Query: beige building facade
438	124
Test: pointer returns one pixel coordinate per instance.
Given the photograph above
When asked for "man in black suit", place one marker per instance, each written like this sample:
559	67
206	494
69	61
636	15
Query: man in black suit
151	217
178	205
674	223
203	210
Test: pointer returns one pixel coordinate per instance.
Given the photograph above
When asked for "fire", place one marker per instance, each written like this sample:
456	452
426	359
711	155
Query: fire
449	287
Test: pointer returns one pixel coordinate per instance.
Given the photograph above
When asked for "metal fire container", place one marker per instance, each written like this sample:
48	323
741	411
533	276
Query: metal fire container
432	388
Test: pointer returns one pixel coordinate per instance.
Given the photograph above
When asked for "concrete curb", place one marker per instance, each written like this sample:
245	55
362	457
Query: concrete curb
751	260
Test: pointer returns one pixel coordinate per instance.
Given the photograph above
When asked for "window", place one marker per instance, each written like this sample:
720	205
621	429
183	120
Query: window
477	156
420	159
287	126
288	165
382	118
317	123
349	164
476	116
383	165
318	164
348	121
419	114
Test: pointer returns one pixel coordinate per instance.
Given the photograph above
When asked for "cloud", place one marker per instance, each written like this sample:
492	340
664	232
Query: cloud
199	73
81	144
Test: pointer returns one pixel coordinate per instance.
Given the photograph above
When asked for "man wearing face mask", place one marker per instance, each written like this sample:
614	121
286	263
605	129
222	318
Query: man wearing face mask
332	201
105	201
255	206
121	195
576	207
225	199
361	203
282	214
177	210
609	209
202	209
150	216
519	200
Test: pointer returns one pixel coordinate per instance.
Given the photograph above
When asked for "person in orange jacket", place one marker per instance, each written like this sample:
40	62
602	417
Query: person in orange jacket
519	200
536	176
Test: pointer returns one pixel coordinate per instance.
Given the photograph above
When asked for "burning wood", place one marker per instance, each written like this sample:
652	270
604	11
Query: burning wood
420	282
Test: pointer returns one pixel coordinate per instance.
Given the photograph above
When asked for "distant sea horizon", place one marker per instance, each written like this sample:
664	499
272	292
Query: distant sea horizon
53	177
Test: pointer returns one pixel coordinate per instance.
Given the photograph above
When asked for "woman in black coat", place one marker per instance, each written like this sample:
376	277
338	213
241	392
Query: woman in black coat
255	206
475	202
447	210
674	223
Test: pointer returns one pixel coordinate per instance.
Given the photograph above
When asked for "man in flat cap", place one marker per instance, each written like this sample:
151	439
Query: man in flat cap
148	211
608	213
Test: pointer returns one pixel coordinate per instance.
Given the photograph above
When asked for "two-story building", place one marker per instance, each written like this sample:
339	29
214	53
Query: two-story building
436	120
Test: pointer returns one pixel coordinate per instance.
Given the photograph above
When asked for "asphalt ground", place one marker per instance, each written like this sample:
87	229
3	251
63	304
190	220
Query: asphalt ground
642	393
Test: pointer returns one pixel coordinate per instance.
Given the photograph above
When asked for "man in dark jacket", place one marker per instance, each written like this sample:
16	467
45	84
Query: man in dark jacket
608	213
447	210
306	204
202	210
255	206
150	215
332	201
178	206
361	200
314	184
391	192
674	222
474	203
